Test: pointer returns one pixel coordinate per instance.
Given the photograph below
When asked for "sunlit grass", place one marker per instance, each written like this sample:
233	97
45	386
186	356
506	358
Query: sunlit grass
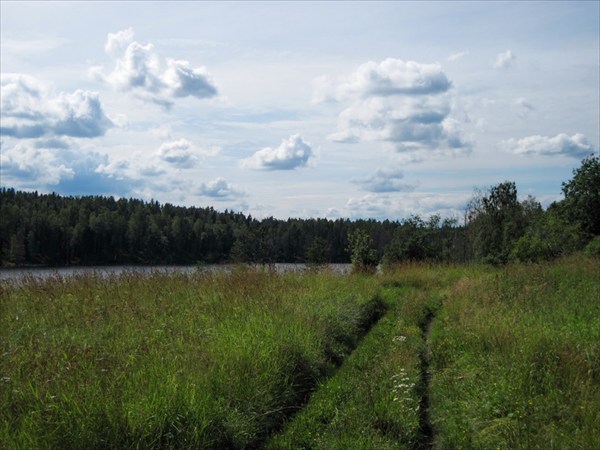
375	400
206	361
517	359
257	359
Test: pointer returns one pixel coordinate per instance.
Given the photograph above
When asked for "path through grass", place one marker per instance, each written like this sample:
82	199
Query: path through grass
376	399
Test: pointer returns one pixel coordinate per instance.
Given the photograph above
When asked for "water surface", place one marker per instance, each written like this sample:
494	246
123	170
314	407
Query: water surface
19	274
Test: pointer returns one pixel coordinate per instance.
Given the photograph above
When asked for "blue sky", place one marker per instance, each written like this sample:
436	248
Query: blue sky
299	109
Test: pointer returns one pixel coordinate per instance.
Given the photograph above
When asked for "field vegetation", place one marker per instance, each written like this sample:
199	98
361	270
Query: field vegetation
207	361
419	356
516	359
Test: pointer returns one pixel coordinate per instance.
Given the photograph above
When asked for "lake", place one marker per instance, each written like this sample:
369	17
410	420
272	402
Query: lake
18	274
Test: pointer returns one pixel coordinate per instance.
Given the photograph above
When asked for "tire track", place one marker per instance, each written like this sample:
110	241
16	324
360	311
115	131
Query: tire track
425	427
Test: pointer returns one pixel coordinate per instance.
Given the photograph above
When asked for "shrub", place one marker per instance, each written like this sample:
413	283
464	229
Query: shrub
593	247
531	249
364	258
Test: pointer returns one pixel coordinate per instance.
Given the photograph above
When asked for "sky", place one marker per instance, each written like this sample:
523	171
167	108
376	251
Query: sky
377	110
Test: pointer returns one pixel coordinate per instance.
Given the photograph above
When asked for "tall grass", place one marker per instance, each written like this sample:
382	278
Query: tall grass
375	400
517	359
170	361
464	357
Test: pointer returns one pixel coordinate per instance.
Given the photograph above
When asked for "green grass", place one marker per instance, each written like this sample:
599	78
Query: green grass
517	359
375	401
467	357
209	361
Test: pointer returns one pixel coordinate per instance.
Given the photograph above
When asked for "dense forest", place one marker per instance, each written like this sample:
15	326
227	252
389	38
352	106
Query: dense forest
49	229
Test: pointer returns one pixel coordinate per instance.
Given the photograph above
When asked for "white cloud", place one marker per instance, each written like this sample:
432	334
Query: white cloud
220	189
576	146
385	180
182	153
403	104
456	56
382	206
387	78
138	70
182	80
292	153
504	60
81	115
29	111
117	43
27	162
61	165
177	153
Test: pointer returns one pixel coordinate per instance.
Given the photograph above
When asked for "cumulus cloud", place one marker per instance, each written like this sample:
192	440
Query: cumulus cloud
138	70
27	162
292	153
385	180
387	78
404	104
178	153
29	111
576	146
117	43
182	153
220	189
60	165
504	60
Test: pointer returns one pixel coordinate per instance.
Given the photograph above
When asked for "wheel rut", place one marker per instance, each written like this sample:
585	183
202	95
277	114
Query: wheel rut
426	430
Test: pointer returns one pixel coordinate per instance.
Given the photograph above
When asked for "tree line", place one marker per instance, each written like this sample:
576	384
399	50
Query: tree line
49	229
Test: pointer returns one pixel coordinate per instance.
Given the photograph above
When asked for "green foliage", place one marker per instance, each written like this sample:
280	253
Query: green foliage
547	237
419	240
497	221
38	229
317	253
582	196
530	249
363	256
593	247
53	230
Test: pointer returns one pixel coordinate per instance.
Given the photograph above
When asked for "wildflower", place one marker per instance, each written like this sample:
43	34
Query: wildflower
398	339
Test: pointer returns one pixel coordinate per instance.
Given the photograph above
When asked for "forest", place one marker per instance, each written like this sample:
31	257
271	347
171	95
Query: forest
53	230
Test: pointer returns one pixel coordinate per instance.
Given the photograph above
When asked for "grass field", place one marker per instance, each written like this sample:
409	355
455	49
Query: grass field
417	357
516	359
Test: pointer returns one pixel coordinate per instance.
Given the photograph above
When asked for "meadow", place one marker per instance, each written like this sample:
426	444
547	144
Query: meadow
419	356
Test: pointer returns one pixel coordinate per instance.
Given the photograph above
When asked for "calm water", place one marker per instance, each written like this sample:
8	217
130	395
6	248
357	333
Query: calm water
17	275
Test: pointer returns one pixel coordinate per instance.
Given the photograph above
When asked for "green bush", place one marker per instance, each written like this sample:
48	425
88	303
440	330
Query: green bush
363	256
531	249
593	247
